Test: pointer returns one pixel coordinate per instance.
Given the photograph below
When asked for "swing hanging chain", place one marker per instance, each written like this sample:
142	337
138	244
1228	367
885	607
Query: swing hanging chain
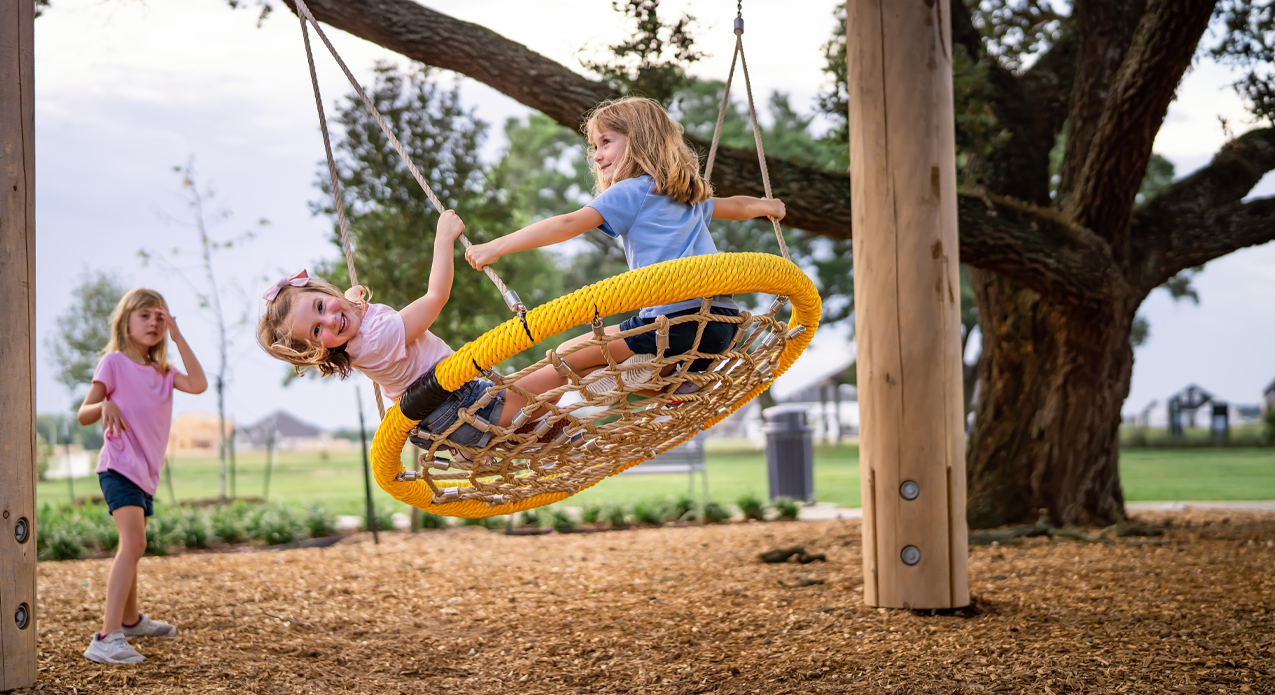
342	223
752	114
510	297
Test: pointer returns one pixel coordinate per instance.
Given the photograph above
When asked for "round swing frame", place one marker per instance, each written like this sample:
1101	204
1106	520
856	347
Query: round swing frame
663	283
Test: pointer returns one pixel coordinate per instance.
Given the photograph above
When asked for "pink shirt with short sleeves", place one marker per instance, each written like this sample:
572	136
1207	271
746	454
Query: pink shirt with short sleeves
380	350
145	399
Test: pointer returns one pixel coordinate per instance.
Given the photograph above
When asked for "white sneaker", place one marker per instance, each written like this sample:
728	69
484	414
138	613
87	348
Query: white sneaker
112	649
632	377
150	628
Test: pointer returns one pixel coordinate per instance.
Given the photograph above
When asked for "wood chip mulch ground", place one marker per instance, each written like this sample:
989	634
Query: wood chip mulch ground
684	610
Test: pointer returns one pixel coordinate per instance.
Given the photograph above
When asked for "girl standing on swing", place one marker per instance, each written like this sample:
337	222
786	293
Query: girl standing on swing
652	198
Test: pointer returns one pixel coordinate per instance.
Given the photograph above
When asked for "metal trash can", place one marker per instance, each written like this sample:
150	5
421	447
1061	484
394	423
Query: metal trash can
789	453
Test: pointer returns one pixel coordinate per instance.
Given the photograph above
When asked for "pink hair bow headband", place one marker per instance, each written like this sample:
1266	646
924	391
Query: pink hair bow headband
297	279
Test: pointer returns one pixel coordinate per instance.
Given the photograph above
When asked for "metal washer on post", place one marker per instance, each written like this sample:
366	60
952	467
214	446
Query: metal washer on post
910	555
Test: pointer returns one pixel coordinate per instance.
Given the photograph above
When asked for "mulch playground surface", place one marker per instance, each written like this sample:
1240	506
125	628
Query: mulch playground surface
684	610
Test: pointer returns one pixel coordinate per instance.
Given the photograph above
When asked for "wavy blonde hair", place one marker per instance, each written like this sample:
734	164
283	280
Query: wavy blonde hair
274	331
655	148
135	300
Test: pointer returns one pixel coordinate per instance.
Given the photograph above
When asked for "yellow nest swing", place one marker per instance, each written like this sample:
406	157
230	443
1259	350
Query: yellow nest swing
603	427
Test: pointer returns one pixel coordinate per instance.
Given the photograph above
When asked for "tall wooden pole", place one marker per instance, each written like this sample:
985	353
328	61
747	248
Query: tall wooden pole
17	344
907	300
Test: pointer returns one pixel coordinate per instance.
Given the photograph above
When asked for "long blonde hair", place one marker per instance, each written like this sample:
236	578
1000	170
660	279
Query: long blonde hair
136	300
655	147
274	331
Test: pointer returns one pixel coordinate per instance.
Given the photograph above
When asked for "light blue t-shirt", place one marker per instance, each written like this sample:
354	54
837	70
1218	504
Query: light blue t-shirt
653	228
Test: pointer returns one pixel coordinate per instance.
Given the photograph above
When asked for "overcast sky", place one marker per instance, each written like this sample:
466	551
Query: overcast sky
126	90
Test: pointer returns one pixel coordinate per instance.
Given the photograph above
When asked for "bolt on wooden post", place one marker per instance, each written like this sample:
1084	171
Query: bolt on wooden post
17	346
907	301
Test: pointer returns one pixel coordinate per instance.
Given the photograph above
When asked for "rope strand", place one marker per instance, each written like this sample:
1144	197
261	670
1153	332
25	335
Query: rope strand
305	14
752	114
342	223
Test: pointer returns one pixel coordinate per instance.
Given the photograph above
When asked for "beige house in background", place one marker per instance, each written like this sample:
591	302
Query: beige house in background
194	432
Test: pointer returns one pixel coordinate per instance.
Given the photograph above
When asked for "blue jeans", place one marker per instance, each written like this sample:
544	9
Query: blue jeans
445	415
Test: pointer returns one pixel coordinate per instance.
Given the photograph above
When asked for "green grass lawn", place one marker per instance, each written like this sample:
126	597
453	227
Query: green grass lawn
337	480
1198	474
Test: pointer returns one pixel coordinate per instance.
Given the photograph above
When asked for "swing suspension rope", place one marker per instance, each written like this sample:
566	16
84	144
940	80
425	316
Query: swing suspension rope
622	414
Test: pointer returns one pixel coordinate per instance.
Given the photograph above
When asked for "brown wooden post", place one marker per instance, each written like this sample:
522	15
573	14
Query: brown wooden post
907	300
17	345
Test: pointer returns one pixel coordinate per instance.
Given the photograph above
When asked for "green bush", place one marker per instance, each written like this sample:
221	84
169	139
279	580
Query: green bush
433	521
529	519
320	521
384	516
713	512
787	508
591	513
681	508
613	515
193	529
61	543
1268	425
159	537
229	524
751	507
560	520
276	524
648	512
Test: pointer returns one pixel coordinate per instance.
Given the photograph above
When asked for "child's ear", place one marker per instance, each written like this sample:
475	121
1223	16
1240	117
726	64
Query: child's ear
355	294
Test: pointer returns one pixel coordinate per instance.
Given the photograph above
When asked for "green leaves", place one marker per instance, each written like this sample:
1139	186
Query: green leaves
392	220
85	328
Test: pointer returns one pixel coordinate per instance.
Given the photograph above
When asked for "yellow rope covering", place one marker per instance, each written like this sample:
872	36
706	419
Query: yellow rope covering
663	283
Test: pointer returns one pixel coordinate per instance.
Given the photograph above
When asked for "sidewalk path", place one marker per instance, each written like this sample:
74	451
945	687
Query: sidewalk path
825	511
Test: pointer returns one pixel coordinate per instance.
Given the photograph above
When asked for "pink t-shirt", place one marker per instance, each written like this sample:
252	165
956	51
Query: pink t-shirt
379	350
145	399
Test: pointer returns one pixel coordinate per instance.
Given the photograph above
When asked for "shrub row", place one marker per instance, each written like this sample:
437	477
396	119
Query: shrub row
71	533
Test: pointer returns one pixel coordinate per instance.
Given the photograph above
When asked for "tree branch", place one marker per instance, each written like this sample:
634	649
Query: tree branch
1018	167
1047	84
1132	114
1156	226
1037	248
1031	245
817	201
1210	234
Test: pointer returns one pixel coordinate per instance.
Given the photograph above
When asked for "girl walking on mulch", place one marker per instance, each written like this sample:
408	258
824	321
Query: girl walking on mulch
132	394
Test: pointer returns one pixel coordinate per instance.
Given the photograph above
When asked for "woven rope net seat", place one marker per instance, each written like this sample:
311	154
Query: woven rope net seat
581	440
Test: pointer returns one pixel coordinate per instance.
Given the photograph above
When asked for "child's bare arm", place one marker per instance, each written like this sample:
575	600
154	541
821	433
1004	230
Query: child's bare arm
193	381
548	231
420	314
96	407
742	207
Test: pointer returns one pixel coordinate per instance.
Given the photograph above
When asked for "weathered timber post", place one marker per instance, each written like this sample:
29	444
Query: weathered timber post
907	300
17	345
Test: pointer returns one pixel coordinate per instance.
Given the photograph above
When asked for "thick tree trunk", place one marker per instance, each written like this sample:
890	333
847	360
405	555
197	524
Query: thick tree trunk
1052	380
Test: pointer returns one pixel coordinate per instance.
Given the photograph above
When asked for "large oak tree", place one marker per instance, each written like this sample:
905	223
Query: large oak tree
1058	275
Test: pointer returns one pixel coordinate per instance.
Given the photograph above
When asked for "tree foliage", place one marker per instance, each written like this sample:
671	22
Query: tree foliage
392	220
84	329
1249	43
652	61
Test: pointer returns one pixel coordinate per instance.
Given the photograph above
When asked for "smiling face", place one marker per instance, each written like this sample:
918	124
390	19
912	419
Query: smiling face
145	328
317	317
609	149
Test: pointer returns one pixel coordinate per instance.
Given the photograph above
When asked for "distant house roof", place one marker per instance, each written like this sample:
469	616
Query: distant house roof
286	424
1269	389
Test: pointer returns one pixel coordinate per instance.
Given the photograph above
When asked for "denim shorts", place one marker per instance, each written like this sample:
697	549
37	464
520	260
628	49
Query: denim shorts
716	338
445	414
119	491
